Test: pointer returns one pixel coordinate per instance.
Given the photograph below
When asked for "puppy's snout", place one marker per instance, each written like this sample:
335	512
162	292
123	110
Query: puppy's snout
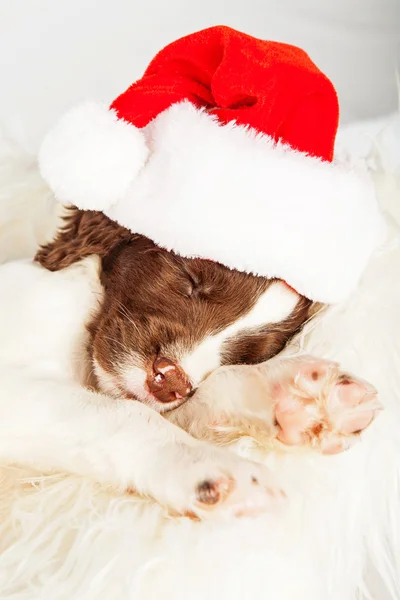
167	381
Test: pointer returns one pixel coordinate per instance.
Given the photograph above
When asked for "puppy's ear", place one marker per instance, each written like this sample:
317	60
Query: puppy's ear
83	234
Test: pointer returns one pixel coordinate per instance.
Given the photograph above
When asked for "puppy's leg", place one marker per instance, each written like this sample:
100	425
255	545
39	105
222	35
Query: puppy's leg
56	425
302	401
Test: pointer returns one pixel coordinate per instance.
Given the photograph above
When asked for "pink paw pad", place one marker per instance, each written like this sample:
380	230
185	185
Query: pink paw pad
320	406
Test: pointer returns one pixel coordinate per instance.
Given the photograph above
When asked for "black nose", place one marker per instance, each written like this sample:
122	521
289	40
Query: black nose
167	381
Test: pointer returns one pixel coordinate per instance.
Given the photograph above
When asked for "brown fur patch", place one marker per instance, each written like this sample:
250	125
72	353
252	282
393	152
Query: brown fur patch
267	341
84	233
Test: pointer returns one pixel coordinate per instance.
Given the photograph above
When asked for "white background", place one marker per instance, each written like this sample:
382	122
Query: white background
54	53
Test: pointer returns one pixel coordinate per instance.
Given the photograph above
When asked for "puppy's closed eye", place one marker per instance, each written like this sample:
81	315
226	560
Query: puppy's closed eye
192	287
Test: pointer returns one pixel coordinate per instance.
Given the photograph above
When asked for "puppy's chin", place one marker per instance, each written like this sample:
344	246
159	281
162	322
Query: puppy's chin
130	385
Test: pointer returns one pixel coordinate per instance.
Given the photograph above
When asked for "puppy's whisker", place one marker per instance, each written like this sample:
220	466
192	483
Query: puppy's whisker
123	311
115	341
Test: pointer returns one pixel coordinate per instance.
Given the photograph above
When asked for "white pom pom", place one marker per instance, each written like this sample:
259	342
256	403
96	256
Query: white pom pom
91	157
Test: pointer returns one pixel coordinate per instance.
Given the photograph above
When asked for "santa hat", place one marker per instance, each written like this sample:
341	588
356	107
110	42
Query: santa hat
224	150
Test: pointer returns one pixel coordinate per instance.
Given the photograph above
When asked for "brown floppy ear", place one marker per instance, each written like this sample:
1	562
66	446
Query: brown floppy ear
84	233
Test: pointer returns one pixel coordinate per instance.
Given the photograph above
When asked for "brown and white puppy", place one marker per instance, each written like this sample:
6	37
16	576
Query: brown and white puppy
151	326
166	322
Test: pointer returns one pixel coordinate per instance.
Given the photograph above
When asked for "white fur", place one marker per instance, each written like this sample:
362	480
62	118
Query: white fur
29	213
101	153
221	192
66	537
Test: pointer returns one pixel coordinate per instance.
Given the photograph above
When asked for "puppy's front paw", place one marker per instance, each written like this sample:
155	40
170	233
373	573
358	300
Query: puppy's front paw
236	488
317	404
212	483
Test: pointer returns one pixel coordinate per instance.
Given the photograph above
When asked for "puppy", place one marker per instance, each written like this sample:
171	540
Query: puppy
166	322
135	322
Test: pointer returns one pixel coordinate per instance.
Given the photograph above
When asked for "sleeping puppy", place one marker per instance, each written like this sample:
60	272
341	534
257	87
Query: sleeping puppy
166	322
84	337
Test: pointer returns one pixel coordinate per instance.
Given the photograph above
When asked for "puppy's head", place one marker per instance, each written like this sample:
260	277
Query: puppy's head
165	321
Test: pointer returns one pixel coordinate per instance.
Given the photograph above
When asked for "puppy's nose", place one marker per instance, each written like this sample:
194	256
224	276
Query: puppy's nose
168	382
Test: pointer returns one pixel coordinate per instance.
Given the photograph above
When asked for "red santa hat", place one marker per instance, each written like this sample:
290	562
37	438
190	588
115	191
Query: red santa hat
224	150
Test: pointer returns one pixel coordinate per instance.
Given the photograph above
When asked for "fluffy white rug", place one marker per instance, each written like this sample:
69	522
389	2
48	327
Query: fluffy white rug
63	537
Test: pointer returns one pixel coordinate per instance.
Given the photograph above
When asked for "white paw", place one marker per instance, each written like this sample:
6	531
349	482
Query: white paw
208	483
319	405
